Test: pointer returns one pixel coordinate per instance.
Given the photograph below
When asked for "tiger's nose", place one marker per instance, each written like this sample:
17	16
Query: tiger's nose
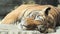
41	28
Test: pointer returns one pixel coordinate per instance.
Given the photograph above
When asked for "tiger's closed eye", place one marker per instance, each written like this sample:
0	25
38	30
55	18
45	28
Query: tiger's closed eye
38	18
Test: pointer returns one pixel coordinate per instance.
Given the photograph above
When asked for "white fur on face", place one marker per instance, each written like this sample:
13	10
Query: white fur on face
20	25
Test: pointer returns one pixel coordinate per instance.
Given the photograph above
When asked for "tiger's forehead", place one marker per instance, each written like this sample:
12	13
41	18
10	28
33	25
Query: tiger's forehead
34	12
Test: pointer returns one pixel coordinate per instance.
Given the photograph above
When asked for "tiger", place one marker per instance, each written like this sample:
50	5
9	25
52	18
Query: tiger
44	18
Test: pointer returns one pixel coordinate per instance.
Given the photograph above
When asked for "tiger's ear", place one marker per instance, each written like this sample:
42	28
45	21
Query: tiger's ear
46	10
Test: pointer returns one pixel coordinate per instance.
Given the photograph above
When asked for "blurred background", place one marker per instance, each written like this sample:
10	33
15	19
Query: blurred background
8	5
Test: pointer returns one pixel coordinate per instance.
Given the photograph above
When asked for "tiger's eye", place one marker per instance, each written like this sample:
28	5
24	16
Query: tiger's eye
39	18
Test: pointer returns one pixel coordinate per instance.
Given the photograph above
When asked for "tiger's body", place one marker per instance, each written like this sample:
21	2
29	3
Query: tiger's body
49	17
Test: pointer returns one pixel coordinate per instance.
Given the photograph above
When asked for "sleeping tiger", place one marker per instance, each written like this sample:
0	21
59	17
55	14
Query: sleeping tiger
44	18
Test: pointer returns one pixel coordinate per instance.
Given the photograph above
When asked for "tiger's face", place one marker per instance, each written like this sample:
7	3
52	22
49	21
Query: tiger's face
35	20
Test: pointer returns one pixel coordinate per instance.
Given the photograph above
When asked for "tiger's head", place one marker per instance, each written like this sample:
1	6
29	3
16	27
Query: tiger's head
36	20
